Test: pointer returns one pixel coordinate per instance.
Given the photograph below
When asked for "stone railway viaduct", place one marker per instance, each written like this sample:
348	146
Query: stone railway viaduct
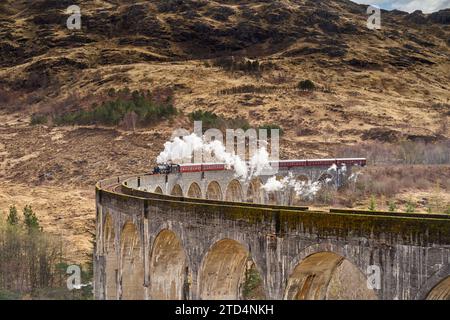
200	235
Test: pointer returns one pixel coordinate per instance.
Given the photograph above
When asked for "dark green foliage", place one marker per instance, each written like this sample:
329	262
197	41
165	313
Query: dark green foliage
237	123
372	204
252	286
392	206
30	221
442	107
212	120
13	217
9	295
247	88
149	108
306	85
209	119
238	64
410	207
37	118
111	92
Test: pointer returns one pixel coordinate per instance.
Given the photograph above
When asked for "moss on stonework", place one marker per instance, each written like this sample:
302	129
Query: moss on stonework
342	225
339	224
227	212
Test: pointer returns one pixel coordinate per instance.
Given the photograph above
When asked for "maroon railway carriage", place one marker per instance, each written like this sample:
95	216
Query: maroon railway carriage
283	165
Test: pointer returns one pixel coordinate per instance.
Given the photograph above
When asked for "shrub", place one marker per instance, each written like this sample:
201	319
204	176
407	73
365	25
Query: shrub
252	286
111	92
37	118
247	88
13	217
410	207
211	120
269	127
326	196
4	97
392	206
448	210
237	123
372	204
238	64
306	85
9	295
30	219
280	77
442	107
148	108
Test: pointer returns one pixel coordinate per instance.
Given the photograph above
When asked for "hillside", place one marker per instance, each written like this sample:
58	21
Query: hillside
394	78
386	85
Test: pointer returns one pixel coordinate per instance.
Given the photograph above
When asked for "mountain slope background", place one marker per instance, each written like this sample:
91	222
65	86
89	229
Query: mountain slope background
389	85
391	78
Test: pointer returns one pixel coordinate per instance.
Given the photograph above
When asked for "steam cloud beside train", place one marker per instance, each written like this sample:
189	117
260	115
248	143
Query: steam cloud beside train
181	150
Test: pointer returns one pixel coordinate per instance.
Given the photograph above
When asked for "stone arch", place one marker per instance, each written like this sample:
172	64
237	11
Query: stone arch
132	275
441	291
177	191
214	192
327	276
169	273
234	191
254	191
194	191
225	271
158	190
432	282
109	249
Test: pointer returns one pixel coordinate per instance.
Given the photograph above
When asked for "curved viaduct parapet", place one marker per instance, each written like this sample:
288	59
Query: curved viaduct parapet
281	241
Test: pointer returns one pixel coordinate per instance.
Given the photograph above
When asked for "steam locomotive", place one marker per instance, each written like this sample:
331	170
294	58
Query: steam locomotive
167	168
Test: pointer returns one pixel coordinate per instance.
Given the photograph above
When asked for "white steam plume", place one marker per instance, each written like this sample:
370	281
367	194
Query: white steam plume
181	150
304	189
273	185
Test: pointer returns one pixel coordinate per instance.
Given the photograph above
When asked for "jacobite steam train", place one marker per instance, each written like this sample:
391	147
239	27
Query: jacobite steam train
168	168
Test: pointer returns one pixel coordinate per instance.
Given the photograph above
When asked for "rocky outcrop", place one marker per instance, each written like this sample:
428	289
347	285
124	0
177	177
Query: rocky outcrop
441	17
